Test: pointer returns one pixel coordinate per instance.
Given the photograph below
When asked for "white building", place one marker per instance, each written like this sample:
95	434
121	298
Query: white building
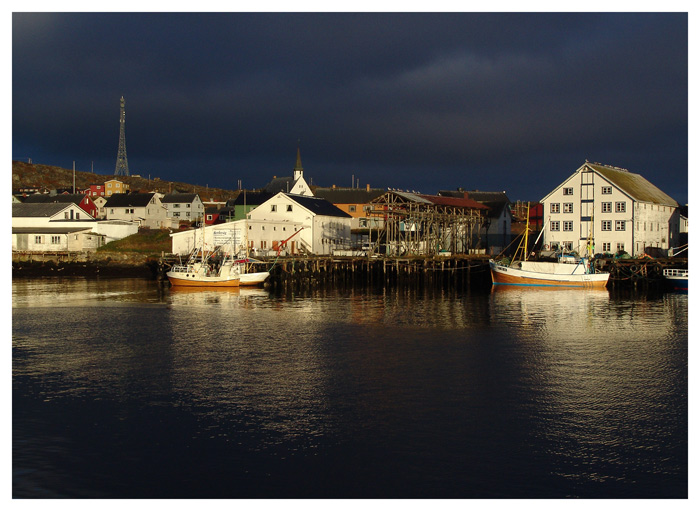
292	224
616	209
142	208
59	227
183	206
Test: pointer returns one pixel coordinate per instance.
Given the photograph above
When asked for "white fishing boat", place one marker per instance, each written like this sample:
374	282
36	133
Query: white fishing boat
206	269
249	277
569	270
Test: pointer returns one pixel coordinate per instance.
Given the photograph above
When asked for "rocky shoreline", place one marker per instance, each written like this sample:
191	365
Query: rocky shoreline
112	264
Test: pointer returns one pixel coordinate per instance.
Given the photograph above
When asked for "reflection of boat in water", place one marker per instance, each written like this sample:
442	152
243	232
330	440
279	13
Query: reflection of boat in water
676	278
567	271
207	296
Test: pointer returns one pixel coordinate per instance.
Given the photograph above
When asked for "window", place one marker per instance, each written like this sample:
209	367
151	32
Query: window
554	207
606	247
568	225
620	247
606	207
176	205
568	245
187	205
289	207
109	185
607	190
55	240
273	208
620	225
38	239
554	226
352	208
568	191
568	207
176	214
620	207
606	225
65	215
209	217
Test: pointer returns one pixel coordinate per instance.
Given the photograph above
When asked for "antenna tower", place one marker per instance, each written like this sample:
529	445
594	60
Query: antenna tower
122	168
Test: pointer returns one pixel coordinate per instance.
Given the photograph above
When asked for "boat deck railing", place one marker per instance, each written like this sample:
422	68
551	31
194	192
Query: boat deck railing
675	272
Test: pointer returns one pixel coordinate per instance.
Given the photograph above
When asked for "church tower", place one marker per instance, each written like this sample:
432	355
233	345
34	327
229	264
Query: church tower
298	169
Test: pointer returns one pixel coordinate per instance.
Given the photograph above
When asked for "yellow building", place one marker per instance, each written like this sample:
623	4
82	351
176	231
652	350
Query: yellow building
115	186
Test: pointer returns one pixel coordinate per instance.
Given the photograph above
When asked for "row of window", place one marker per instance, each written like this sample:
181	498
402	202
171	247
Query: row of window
55	240
273	207
606	207
605	225
606	247
605	190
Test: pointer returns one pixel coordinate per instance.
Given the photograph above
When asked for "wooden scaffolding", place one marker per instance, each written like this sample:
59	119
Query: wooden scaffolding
426	225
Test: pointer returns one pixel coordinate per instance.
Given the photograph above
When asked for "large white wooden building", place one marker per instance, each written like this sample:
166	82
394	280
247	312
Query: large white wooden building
307	224
611	208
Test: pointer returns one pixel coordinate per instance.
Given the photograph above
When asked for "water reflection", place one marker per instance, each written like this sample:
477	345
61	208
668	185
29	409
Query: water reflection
515	392
591	360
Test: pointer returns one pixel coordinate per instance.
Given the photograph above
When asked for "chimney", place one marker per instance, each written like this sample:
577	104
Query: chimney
466	195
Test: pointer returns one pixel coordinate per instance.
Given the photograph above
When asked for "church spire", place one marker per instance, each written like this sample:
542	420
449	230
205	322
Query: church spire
298	169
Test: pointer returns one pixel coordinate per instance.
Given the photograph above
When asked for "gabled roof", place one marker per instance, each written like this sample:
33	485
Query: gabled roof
496	201
182	198
280	184
133	200
454	201
634	185
348	195
37	210
318	206
64	198
250	198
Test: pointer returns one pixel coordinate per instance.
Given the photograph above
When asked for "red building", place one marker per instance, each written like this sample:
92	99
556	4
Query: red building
95	191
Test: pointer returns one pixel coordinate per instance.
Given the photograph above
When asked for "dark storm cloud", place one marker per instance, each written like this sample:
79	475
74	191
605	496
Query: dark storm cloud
418	101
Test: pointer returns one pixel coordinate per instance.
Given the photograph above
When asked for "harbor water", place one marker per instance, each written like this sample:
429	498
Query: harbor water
123	388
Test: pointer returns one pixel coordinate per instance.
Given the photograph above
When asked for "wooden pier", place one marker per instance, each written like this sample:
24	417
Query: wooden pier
446	272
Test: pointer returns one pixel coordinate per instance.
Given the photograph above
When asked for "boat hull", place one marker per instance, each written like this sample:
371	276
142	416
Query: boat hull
677	279
504	275
199	281
254	279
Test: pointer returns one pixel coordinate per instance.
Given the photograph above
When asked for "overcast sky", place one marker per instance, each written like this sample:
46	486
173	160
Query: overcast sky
423	102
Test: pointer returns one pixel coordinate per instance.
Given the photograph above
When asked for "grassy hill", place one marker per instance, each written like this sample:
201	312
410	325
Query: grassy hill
29	174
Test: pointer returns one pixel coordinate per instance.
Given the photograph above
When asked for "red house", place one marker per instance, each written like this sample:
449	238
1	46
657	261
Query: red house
84	201
95	191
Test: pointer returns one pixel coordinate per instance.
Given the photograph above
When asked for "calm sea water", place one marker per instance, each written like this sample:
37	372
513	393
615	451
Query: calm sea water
124	389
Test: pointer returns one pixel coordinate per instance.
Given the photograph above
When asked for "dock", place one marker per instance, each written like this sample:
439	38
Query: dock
454	272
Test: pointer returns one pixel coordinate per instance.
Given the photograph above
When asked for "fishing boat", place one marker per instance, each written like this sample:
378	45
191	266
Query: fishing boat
568	270
676	278
248	277
206	269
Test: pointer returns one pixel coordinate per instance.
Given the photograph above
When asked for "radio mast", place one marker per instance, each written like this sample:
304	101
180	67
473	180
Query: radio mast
122	168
